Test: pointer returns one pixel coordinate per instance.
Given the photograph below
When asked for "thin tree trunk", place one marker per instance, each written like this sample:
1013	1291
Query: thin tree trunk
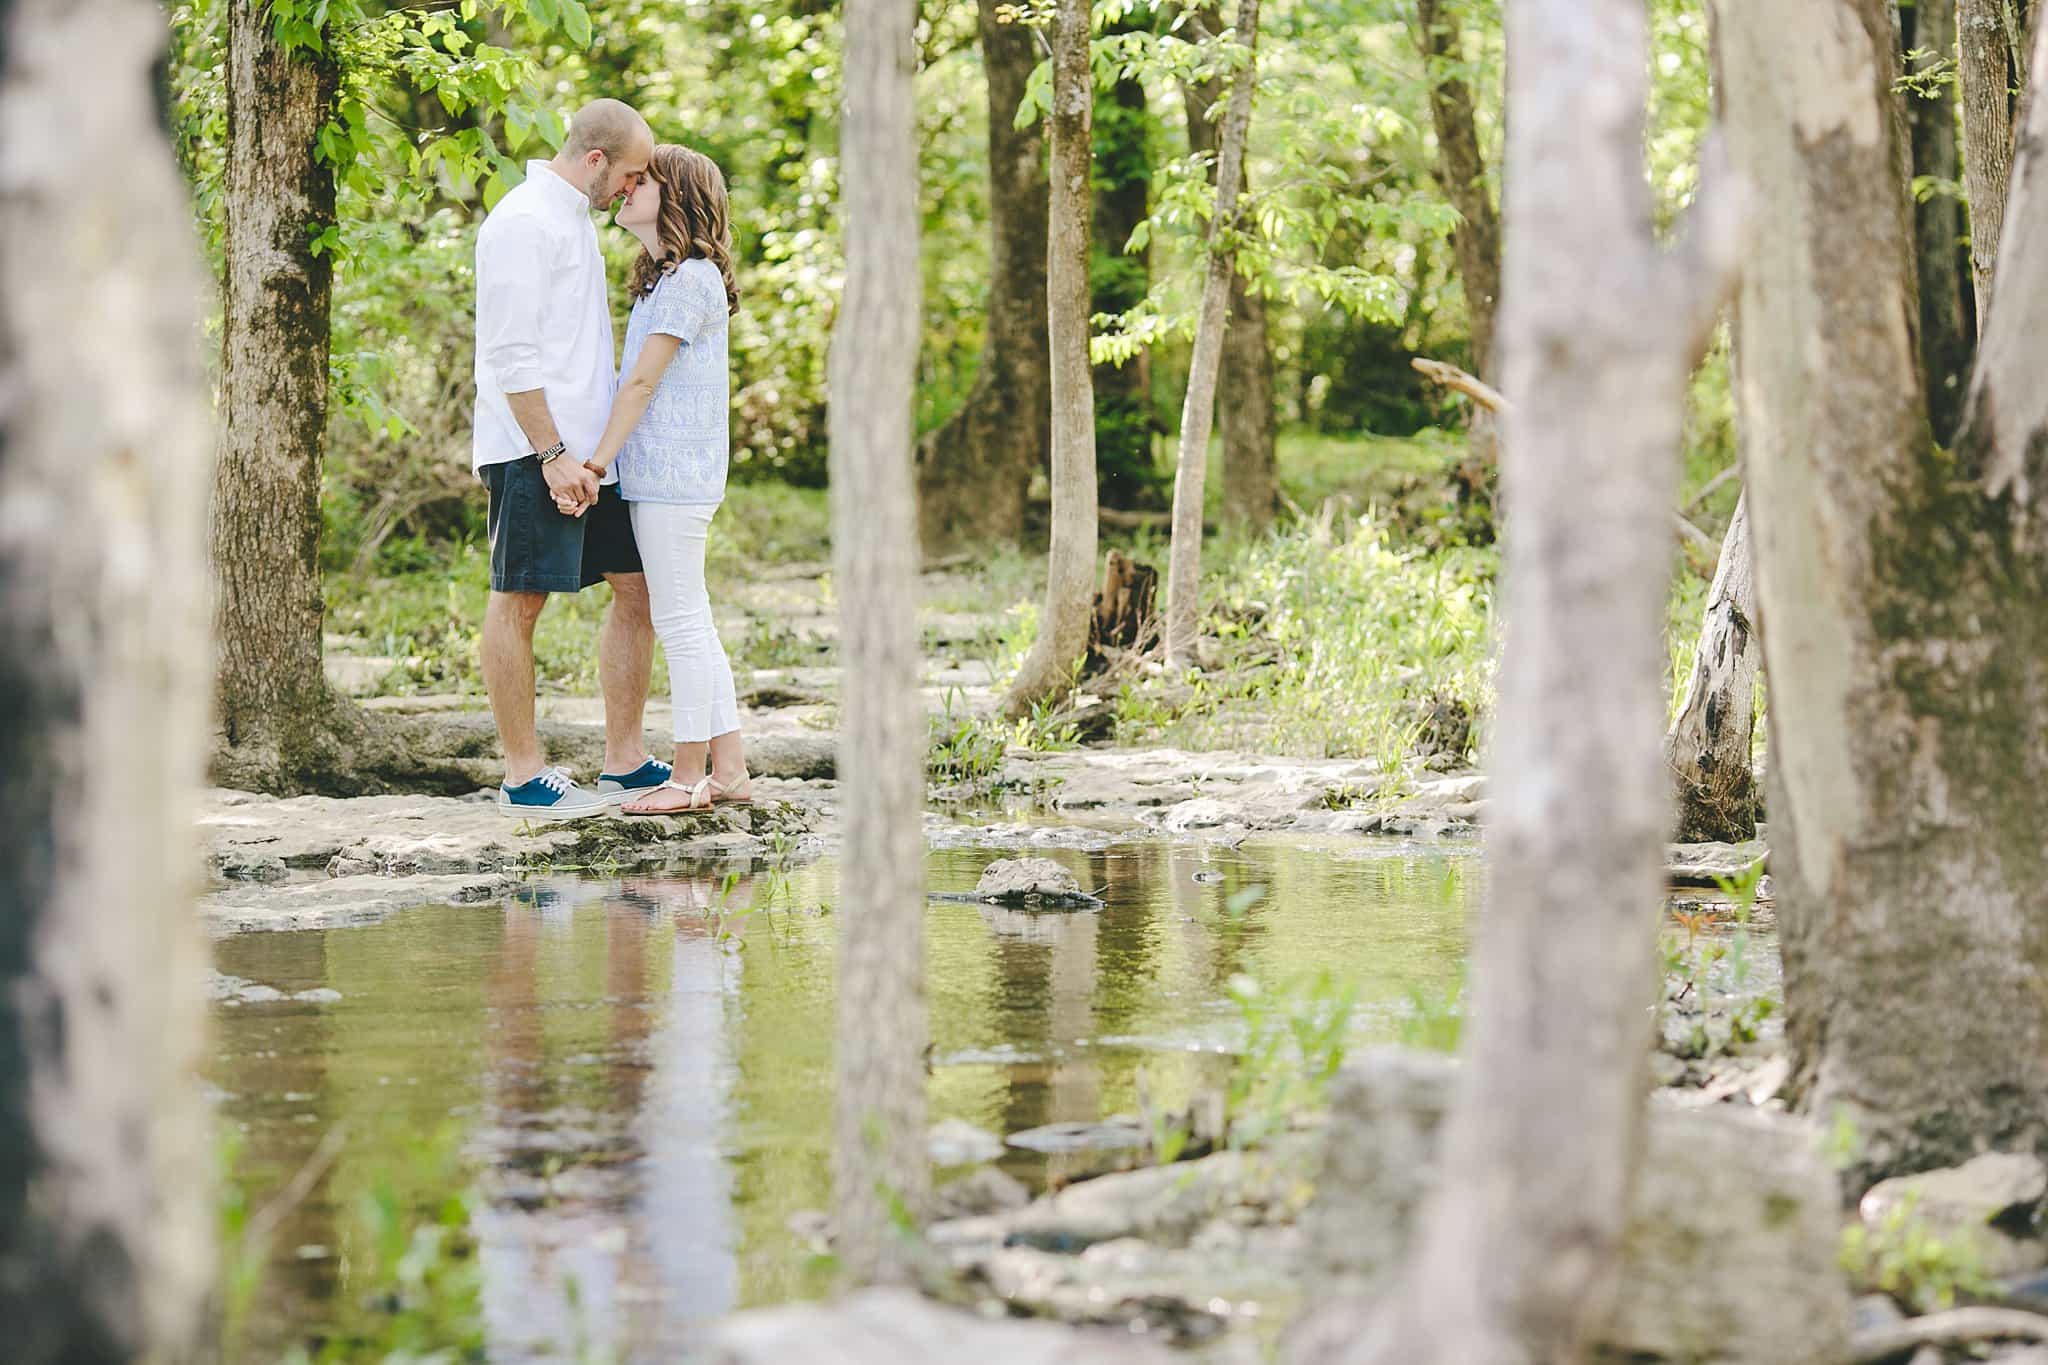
1062	639
1520	1242
1461	169
1119	280
273	387
1985	73
1907	600
1708	745
1244	387
879	1105
1184	580
105	1144
975	471
1946	339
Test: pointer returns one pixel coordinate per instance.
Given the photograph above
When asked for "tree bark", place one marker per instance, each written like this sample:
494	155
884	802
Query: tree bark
879	1145
1461	169
1048	668
273	387
974	472
1119	280
105	1144
1708	745
1907	599
1519	1242
1946	338
1244	390
1184	565
1985	72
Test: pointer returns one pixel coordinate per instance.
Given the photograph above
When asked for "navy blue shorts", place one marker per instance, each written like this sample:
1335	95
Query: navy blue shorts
535	548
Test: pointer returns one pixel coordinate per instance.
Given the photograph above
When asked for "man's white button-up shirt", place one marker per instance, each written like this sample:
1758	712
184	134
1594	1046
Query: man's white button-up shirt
542	318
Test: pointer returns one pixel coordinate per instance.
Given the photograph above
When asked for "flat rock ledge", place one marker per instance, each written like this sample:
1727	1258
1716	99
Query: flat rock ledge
314	861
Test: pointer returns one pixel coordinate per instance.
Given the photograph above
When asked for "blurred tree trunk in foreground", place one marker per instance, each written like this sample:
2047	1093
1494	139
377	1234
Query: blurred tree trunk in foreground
880	1174
1519	1244
105	1143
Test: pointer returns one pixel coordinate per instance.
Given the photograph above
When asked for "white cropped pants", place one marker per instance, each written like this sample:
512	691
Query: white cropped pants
671	539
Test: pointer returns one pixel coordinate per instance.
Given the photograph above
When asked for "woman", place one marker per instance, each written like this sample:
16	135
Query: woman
668	434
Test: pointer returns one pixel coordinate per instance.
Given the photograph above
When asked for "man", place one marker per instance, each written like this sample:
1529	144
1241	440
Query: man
544	381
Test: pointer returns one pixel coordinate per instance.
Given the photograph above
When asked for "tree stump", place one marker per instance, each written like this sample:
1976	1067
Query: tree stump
1124	618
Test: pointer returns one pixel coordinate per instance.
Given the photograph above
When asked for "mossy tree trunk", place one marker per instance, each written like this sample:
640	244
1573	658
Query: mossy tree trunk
1244	388
273	698
974	472
1519	1243
105	438
1048	669
879	1100
1905	601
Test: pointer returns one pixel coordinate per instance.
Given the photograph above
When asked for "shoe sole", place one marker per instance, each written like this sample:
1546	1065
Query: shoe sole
550	813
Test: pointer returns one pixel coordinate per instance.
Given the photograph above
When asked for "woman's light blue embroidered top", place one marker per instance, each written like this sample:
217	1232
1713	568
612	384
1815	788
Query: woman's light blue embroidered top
680	450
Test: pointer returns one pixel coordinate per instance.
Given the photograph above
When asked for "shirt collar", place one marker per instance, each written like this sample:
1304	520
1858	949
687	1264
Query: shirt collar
559	192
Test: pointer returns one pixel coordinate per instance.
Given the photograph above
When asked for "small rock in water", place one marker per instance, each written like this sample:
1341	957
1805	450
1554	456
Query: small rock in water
1029	881
1110	1135
956	1142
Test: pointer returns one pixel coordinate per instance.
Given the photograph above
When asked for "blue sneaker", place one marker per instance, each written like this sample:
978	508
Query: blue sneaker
552	795
617	787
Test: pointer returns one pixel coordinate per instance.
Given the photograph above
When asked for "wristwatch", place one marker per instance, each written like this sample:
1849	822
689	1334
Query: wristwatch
553	452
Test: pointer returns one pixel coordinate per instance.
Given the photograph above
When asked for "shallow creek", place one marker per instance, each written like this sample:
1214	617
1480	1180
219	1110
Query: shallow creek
633	1074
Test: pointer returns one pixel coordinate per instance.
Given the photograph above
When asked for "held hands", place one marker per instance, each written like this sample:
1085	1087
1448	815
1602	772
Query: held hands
573	486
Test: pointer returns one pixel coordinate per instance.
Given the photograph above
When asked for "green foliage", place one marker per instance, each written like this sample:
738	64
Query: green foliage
1905	1258
1333	641
1294	1042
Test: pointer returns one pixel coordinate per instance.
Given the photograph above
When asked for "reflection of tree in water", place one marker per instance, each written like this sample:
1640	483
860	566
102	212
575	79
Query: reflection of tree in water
272	1059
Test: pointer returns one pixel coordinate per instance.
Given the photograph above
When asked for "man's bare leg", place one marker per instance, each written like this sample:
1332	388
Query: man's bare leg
508	677
625	664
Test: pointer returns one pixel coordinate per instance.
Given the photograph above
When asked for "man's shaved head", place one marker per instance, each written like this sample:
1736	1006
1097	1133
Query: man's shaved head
609	126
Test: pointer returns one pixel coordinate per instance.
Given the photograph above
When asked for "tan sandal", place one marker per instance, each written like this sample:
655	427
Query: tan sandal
719	791
698	792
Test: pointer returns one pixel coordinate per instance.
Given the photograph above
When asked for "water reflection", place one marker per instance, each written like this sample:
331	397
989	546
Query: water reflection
638	1073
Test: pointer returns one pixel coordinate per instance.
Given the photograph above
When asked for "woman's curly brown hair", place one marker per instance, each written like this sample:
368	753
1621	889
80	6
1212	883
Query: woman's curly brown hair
694	220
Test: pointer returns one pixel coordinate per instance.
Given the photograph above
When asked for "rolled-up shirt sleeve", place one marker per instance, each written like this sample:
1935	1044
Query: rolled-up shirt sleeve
511	294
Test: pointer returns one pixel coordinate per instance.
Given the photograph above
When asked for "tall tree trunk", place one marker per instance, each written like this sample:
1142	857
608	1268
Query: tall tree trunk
1048	668
1119	279
1906	595
1986	72
273	387
879	1093
1244	387
1184	583
1708	745
974	472
105	1144
1519	1243
1461	170
1946	340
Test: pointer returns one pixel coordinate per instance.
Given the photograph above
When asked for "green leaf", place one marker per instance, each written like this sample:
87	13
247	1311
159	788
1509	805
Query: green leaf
576	22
